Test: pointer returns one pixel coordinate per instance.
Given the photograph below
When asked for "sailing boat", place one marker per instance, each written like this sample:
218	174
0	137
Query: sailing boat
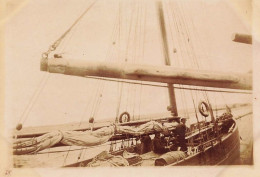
210	142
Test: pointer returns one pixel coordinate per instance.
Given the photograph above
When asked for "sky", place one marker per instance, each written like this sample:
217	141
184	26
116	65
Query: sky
208	25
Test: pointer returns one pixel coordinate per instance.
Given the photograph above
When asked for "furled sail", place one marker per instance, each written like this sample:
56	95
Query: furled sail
85	138
149	127
76	138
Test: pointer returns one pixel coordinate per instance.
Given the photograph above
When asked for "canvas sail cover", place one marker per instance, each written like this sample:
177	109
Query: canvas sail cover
85	138
72	138
149	127
104	159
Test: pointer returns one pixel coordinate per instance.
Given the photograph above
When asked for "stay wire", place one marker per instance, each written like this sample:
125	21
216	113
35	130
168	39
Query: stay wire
114	38
192	48
176	87
34	98
99	100
68	37
127	49
190	44
59	40
101	84
143	55
118	59
137	46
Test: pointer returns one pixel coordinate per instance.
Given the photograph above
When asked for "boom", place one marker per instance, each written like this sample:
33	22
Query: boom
162	74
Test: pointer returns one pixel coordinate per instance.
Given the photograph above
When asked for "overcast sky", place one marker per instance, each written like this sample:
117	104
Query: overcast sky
63	99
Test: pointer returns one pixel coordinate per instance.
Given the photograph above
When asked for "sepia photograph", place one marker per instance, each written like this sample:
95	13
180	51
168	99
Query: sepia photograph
129	83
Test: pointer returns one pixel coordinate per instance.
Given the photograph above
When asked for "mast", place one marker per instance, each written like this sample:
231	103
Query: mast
173	105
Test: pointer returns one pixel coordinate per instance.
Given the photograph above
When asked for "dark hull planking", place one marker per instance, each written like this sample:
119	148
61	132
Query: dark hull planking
225	153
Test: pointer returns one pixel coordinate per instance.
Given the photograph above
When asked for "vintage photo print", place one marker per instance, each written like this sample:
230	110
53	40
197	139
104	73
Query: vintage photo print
133	84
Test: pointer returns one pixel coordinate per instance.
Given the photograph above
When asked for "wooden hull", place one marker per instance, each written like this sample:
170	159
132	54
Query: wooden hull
226	152
223	152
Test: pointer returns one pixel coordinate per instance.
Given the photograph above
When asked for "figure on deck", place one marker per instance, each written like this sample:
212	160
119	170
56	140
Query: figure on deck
146	144
180	135
159	144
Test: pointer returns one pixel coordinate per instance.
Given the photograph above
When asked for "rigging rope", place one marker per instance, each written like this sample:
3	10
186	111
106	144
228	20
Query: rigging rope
136	52
118	59
101	85
193	49
46	77
176	87
119	103
188	43
84	112
97	97
68	37
127	49
58	41
143	55
216	106
34	98
135	30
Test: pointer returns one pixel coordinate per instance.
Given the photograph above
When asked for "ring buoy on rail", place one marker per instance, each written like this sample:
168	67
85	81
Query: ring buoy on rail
124	117
204	108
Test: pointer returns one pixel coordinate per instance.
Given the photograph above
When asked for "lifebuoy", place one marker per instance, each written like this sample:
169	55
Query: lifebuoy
204	111
127	119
